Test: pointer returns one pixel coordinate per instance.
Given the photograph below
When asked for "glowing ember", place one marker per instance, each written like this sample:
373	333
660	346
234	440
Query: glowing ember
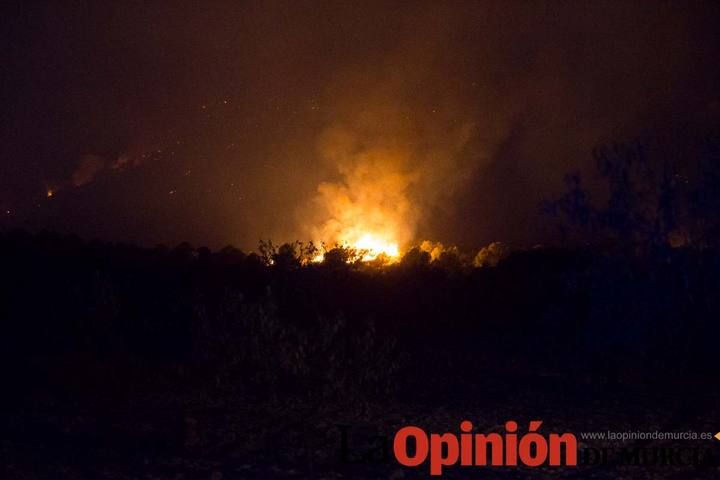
50	193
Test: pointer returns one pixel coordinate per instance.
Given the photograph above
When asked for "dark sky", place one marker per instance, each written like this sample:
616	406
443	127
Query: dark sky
217	122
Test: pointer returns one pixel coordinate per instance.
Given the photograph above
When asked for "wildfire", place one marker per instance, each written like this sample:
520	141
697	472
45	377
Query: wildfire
373	247
369	214
368	206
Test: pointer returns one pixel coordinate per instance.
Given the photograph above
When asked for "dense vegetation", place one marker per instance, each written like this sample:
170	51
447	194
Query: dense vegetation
235	321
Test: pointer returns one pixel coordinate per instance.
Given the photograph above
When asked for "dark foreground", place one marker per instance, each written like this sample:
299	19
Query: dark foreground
121	362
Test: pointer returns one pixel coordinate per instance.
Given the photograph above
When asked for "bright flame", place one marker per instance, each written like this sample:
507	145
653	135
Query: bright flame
372	247
368	208
50	193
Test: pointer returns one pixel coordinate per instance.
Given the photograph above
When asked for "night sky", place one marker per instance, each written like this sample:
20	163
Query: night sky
225	122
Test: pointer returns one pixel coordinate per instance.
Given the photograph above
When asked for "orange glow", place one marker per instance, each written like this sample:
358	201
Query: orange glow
369	243
373	246
370	246
368	208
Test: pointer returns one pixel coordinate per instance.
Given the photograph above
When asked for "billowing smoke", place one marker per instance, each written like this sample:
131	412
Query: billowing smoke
371	201
470	117
386	180
371	122
399	142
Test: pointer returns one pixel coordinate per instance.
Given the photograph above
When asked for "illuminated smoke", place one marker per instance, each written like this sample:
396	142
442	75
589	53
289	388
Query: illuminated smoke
400	141
384	186
387	170
369	206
